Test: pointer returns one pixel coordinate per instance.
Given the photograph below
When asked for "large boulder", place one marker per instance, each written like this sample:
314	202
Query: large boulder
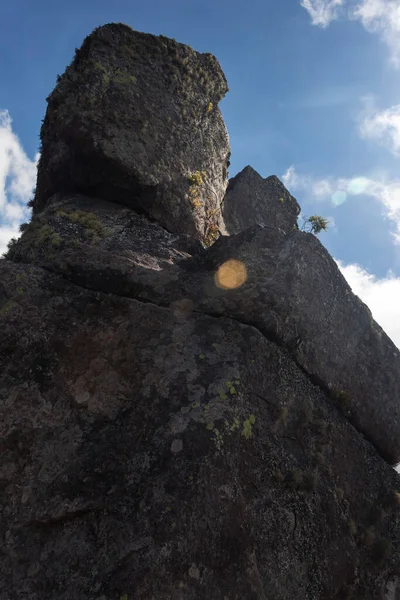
290	288
251	200
135	120
148	454
287	285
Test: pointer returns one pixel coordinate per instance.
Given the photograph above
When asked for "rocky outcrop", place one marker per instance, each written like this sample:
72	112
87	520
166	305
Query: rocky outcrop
135	120
160	455
294	292
104	246
331	334
251	200
180	422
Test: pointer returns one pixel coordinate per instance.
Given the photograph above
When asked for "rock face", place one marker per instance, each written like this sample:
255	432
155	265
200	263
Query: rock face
295	293
331	334
186	423
251	200
162	455
135	119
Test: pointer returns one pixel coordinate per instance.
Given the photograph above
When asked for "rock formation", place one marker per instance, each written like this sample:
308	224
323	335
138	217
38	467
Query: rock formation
252	200
135	120
183	417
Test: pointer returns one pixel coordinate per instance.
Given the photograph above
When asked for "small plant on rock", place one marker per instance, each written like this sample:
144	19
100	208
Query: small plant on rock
314	224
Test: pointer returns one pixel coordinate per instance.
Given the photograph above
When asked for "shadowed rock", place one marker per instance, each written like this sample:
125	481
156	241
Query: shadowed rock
175	457
135	120
251	200
105	246
292	291
295	292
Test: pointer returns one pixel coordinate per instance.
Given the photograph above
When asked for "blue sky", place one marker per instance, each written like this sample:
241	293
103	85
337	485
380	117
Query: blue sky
314	98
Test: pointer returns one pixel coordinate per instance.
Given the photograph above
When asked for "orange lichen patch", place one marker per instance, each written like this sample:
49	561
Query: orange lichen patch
232	274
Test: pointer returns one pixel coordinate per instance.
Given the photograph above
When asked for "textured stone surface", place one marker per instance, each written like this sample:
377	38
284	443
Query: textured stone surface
104	246
131	120
158	456
251	200
295	292
331	334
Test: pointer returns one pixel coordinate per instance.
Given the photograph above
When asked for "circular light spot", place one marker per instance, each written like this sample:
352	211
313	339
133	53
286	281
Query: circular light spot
358	185
232	274
339	197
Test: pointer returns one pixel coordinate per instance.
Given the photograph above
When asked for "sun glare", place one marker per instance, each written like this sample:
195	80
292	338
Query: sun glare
232	274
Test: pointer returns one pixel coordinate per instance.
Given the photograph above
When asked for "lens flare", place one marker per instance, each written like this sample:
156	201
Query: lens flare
232	274
339	197
358	185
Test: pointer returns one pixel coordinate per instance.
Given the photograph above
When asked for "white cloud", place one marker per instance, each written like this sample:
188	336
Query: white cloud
321	189
14	212
382	296
377	16
291	179
382	17
17	180
382	126
6	233
322	12
338	190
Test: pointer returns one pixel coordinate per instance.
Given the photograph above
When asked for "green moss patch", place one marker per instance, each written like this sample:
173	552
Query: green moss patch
94	228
